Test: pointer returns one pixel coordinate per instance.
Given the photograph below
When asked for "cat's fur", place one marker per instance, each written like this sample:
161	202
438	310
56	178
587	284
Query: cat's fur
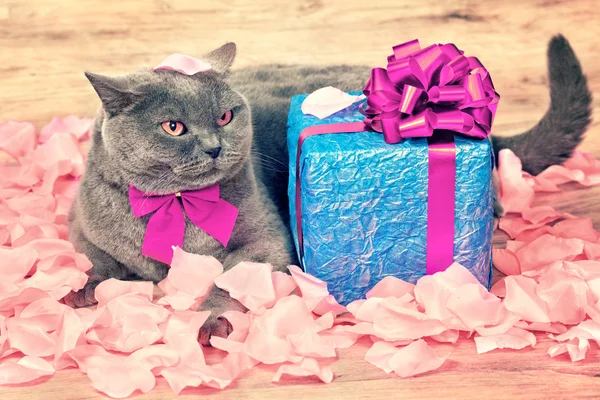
128	147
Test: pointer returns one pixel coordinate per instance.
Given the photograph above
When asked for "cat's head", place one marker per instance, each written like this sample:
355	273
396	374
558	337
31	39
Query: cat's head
166	131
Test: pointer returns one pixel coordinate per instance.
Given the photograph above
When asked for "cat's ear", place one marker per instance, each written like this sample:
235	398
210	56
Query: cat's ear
221	58
115	93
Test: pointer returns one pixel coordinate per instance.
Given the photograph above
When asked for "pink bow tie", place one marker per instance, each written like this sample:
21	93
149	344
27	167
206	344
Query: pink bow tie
166	227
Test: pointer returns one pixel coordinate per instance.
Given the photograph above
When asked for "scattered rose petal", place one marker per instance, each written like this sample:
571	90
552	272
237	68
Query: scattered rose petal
27	369
522	299
249	283
547	249
514	338
307	367
391	286
414	359
577	348
586	163
313	290
580	228
515	193
506	262
475	306
17	138
112	288
190	275
78	127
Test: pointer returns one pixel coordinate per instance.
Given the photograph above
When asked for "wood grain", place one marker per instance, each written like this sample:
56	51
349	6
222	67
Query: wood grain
47	44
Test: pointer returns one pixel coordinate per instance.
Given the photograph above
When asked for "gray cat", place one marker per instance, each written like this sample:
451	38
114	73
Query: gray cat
138	140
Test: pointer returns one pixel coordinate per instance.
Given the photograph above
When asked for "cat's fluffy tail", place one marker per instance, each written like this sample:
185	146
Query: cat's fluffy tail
554	138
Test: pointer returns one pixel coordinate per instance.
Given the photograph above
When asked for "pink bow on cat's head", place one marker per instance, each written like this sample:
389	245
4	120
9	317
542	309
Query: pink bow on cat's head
183	64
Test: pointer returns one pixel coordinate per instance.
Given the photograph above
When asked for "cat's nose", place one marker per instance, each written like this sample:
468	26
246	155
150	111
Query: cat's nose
214	152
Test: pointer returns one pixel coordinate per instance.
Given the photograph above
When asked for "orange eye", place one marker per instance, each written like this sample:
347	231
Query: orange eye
174	128
225	118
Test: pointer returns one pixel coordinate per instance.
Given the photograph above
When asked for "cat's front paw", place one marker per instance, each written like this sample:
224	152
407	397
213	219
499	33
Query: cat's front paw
214	326
217	302
84	297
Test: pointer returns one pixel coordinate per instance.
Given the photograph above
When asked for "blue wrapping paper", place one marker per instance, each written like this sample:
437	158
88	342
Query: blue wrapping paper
364	205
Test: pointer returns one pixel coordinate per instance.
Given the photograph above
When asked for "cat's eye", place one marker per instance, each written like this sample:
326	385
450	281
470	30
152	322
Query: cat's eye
225	118
174	128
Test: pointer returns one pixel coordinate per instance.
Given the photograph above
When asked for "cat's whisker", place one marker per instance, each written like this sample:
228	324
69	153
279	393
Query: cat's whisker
267	165
269	157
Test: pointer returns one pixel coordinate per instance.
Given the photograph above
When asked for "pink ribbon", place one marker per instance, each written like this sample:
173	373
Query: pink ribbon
434	93
166	228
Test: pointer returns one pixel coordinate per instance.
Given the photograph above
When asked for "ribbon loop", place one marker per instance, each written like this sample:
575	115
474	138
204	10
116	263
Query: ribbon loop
410	96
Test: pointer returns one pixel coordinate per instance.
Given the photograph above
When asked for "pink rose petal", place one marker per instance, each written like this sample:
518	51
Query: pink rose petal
268	339
380	354
565	294
27	369
240	323
71	333
515	193
546	249
179	302
576	348
30	338
391	286
506	262
313	290
475	306
433	291
515	226
591	251
327	101
342	337
17	138
249	283
559	174
228	345
120	380
110	289
190	274
15	264
522	299
414	359
183	64
550	327
394	322
587	329
530	235
586	163
514	338
307	367
61	150
78	127
541	214
580	228
184	324
283	284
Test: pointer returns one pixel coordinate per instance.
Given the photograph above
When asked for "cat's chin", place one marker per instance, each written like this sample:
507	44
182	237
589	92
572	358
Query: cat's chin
176	183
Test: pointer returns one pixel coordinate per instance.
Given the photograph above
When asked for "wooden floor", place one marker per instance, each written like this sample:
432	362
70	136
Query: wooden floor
45	45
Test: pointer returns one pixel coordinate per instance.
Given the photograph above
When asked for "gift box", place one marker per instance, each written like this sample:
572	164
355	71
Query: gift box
381	189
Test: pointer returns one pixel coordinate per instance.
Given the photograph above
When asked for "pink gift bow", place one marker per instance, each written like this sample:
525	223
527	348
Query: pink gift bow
166	228
431	92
